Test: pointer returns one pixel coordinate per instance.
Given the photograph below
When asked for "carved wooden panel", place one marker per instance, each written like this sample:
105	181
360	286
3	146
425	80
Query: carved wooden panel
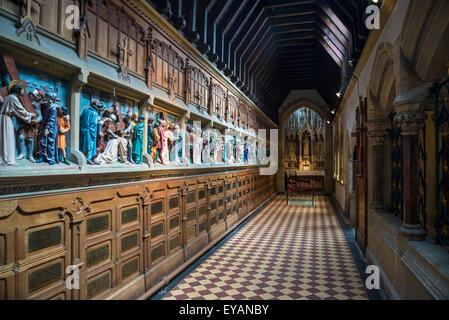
115	233
199	88
169	68
232	110
218	101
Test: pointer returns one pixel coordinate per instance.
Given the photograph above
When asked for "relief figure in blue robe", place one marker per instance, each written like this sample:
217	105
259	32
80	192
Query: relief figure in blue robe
89	128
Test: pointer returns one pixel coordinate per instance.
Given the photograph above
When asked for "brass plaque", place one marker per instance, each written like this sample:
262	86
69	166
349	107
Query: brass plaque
220	216
213	191
158	252
129	242
156	207
203	226
220	202
191	215
220	189
157	230
97	224
174	222
202	211
201	194
44	238
130	268
42	277
98	285
213	220
173	202
191	197
129	215
97	255
213	205
175	242
191	233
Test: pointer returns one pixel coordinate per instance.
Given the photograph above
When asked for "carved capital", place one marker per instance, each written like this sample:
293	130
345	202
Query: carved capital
377	132
410	122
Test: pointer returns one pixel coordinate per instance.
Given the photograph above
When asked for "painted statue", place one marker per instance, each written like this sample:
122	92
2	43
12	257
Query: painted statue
89	129
137	142
156	138
178	145
104	132
168	143
116	147
63	127
27	133
190	140
150	137
162	143
245	150
128	134
48	131
11	107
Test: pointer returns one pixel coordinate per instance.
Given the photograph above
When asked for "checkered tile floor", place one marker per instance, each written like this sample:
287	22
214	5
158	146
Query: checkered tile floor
287	253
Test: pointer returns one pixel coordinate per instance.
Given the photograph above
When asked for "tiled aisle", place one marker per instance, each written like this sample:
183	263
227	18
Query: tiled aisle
283	253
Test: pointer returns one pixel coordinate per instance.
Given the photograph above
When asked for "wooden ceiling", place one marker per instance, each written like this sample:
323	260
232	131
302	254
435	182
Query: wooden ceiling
270	47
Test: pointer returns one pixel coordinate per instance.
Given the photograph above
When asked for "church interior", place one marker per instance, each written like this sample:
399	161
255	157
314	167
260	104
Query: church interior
224	149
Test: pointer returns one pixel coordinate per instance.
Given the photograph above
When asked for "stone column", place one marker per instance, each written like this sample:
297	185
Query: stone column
411	123
377	134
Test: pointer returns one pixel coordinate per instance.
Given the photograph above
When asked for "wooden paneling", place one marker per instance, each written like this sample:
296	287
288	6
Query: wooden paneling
116	234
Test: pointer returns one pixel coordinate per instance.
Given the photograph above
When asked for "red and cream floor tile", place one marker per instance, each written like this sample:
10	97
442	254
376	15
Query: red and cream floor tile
283	253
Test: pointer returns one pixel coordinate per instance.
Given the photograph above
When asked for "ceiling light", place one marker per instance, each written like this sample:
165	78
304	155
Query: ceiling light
328	122
339	94
333	111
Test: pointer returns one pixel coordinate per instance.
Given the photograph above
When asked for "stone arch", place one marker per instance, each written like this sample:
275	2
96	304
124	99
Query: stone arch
286	111
424	38
382	81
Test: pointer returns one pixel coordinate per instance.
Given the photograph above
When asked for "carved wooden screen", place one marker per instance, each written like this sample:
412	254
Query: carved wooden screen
243	115
169	68
251	119
233	106
218	101
199	88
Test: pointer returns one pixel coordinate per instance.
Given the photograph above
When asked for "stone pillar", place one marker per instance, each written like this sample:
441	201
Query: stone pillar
329	184
145	106
376	134
411	123
75	86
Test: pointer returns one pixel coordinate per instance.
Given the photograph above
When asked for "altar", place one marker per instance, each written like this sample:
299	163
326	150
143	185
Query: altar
304	178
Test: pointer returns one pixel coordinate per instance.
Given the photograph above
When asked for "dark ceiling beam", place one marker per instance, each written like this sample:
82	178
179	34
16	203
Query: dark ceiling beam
234	15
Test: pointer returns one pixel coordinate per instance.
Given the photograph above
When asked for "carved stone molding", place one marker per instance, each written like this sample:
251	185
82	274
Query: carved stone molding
410	122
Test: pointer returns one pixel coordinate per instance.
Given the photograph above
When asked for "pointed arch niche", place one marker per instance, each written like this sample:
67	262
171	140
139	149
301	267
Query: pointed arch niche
305	142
